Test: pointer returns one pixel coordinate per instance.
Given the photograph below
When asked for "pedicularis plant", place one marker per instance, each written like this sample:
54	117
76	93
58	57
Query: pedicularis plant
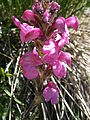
49	34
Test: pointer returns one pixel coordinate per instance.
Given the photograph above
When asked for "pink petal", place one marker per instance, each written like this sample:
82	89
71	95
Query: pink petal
49	46
59	69
55	96
72	21
28	15
24	30
51	93
46	16
55	6
29	72
61	43
30	59
32	34
27	26
66	57
60	24
28	33
50	58
66	35
50	49
18	24
51	84
47	94
37	6
35	51
22	37
16	21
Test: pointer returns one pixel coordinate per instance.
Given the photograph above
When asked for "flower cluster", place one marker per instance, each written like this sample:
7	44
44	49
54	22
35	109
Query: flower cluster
49	34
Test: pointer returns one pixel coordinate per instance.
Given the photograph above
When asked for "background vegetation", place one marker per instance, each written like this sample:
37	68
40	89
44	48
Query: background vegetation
16	93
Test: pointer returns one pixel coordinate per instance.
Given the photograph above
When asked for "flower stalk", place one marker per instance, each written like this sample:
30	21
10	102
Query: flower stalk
49	34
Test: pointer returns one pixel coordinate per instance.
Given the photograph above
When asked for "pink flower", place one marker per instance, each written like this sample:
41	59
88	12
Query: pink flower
29	16
29	62
72	21
65	57
27	33
51	93
59	65
59	69
50	49
59	24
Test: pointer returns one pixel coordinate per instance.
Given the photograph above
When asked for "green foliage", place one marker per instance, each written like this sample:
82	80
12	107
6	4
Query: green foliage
88	3
71	7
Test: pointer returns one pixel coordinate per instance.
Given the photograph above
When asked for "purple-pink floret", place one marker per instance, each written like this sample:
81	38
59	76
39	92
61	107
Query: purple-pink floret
27	32
59	65
29	16
72	21
51	93
29	62
60	22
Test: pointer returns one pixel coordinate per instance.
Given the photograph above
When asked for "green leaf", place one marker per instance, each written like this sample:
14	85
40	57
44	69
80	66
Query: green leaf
8	93
9	75
16	100
2	70
2	74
